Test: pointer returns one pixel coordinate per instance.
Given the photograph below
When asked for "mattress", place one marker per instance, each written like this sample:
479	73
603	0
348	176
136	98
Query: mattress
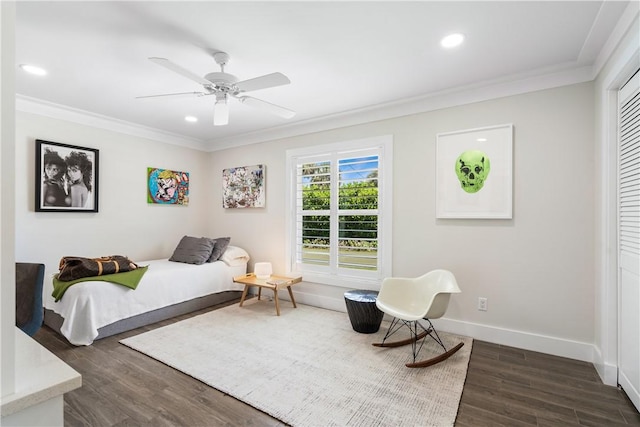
88	306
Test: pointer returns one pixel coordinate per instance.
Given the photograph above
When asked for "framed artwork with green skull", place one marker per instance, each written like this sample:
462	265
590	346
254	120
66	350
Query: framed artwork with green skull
474	173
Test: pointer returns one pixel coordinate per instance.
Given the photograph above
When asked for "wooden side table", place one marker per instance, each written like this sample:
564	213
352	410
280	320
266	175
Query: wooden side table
275	283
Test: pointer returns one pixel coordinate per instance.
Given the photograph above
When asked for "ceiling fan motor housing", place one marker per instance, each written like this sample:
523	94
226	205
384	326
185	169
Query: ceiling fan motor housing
223	81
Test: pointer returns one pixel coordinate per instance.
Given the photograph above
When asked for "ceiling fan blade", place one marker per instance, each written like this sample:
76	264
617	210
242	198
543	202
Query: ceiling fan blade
263	82
267	106
178	69
183	94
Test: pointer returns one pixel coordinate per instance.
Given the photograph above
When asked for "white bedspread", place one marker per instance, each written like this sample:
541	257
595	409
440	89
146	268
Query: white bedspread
88	306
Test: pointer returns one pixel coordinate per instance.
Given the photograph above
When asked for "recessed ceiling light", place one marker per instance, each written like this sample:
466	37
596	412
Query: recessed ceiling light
481	139
191	119
452	40
32	69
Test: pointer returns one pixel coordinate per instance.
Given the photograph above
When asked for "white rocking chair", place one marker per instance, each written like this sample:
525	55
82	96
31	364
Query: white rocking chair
409	300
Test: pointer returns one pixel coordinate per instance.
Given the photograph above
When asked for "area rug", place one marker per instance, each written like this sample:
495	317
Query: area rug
308	367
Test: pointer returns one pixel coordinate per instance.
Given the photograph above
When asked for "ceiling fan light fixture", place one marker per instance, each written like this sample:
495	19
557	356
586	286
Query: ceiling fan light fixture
221	111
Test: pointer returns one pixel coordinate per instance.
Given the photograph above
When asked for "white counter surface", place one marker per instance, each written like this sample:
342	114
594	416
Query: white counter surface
40	376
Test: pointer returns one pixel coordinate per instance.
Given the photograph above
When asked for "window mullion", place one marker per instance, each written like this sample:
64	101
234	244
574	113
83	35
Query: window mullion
333	207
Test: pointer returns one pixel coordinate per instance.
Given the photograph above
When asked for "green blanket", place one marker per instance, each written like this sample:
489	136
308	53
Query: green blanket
130	279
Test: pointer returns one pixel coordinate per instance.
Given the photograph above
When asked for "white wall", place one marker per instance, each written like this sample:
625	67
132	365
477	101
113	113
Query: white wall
536	270
125	224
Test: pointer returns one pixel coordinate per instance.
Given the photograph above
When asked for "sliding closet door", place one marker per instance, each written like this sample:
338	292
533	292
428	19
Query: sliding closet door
629	239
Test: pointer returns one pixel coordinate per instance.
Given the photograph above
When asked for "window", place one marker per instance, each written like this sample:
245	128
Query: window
340	212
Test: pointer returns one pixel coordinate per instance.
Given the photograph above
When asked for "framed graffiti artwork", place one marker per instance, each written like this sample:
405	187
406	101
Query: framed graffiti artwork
66	178
243	187
167	187
474	173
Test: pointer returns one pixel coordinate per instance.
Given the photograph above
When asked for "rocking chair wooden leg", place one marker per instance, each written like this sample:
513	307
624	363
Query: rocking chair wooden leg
414	339
401	342
437	359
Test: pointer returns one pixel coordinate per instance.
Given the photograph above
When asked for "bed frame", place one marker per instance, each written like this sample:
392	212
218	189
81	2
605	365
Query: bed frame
54	320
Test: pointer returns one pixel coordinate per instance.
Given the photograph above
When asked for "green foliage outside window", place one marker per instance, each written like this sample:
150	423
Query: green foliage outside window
355	231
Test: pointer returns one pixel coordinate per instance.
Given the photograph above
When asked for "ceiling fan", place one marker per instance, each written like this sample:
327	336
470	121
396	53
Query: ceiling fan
224	86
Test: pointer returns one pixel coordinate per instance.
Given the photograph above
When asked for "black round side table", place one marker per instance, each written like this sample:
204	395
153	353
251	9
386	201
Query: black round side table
364	315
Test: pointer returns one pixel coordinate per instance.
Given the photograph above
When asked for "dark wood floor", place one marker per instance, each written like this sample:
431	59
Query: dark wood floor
505	386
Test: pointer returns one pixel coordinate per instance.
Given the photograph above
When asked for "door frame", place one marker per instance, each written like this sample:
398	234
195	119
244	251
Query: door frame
617	72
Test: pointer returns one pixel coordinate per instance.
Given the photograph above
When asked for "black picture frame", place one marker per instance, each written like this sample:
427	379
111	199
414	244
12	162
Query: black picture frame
66	177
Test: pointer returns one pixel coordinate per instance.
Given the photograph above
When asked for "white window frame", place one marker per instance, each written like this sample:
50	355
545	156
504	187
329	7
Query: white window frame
346	278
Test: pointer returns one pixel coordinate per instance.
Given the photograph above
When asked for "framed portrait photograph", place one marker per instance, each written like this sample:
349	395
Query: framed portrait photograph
66	178
474	173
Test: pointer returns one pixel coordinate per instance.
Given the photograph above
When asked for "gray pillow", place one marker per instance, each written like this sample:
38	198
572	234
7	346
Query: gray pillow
221	244
193	250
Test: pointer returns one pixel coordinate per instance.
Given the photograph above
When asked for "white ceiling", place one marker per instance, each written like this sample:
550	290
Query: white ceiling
341	57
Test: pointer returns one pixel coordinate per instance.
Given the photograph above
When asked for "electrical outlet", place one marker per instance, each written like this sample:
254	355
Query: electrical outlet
482	304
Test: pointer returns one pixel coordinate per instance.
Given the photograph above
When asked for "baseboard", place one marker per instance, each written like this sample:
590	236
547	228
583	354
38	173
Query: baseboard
608	373
320	301
525	340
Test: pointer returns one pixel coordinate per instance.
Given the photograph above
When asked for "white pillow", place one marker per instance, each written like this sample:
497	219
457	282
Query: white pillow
235	256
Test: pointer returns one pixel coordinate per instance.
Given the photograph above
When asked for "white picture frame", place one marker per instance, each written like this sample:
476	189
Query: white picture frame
490	199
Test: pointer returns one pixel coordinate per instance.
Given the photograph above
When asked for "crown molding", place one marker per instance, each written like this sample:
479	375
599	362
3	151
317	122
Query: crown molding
62	112
514	85
627	22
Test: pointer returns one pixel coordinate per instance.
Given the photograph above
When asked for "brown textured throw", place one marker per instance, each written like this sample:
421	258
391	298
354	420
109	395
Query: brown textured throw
74	267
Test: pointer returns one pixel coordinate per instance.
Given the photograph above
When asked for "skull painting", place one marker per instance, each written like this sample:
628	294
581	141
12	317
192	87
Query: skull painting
472	169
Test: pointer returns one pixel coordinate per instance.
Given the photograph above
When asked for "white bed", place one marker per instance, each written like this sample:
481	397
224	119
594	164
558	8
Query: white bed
87	309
